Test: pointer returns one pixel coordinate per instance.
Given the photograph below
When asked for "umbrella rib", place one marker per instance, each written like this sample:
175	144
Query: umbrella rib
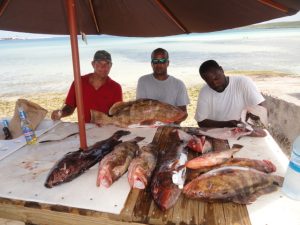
94	16
167	12
3	6
275	5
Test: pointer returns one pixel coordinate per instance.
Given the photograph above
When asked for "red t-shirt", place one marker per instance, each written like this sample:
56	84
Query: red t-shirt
101	100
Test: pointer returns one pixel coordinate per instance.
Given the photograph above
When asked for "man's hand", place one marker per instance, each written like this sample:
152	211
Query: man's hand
56	114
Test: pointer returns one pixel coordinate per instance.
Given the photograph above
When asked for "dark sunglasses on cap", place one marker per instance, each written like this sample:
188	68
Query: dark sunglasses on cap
159	61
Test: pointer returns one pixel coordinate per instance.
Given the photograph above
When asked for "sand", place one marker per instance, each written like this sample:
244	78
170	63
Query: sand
281	91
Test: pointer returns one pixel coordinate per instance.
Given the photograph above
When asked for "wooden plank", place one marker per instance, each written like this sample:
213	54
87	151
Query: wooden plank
236	214
48	216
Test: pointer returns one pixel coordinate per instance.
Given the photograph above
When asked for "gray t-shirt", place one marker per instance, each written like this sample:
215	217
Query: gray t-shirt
171	90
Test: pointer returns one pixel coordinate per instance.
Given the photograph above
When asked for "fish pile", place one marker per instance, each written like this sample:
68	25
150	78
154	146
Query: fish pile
116	163
139	112
73	164
214	176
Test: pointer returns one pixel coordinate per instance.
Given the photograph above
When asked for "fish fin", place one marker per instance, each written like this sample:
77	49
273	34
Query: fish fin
100	118
137	139
269	166
237	146
117	107
252	197
147	122
278	180
120	133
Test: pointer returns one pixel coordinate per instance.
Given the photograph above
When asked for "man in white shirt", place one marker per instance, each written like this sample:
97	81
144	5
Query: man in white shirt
161	86
222	99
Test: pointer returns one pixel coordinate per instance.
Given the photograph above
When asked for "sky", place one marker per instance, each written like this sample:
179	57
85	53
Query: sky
8	34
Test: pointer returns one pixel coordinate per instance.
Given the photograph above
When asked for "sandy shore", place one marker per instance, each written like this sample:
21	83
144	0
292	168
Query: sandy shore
280	90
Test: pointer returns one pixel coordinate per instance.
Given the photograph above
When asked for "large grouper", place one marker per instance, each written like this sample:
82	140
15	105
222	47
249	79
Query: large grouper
232	184
73	164
139	112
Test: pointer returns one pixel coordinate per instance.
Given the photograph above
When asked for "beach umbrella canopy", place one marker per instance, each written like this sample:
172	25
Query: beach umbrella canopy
138	18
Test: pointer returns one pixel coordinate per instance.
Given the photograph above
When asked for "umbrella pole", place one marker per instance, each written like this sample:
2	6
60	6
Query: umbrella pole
76	68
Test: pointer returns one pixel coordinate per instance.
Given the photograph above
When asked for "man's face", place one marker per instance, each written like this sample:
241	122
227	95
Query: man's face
215	78
160	63
102	67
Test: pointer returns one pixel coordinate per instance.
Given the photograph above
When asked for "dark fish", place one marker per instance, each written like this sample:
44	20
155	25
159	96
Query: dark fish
232	184
75	163
168	181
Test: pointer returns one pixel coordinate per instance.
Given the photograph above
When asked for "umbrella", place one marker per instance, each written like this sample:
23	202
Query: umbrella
143	18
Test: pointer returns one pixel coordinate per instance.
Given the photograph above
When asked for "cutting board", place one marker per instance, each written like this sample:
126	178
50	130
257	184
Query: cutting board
25	172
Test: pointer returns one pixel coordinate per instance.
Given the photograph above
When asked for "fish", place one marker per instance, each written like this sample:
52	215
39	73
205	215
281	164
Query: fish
168	181
116	163
227	132
139	112
142	166
73	164
241	185
198	144
212	158
265	166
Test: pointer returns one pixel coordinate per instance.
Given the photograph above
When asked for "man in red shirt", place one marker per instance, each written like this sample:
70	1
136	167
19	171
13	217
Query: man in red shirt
100	92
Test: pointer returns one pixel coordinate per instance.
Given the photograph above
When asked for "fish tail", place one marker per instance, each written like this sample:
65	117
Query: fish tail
100	118
138	139
269	166
120	133
278	180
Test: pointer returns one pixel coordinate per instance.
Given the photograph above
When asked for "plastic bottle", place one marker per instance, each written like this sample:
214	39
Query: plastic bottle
291	183
26	128
6	131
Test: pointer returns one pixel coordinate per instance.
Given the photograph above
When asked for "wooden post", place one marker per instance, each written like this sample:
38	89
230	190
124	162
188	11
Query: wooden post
76	68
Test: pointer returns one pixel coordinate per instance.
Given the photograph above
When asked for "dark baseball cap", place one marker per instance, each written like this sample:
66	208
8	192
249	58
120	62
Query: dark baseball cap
102	55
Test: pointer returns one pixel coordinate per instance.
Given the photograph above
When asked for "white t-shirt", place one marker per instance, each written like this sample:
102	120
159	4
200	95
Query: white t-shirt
227	105
171	90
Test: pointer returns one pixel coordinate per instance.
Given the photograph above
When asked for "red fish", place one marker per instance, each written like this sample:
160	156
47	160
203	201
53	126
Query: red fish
142	166
262	165
212	158
197	144
116	163
168	181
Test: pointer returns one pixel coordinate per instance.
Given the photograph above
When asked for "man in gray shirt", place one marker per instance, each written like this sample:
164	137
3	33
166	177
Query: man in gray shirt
161	86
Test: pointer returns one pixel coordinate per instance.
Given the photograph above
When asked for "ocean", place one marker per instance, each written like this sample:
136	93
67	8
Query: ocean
33	66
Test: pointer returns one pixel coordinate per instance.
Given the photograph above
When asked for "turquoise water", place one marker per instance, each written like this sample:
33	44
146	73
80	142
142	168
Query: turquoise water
44	65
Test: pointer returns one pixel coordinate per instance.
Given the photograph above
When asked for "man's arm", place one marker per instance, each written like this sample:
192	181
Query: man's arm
65	111
218	124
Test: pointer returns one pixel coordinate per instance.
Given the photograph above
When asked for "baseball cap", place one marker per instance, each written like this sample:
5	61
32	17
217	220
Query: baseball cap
102	55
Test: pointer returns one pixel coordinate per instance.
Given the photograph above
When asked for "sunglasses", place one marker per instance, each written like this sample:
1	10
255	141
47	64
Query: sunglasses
159	61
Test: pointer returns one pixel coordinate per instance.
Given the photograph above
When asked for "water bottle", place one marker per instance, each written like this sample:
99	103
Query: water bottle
6	131
26	128
291	183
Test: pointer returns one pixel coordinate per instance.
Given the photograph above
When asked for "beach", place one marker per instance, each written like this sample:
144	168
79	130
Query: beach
40	70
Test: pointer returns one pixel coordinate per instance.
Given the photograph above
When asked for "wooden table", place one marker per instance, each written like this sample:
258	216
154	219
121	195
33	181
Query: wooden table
139	208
